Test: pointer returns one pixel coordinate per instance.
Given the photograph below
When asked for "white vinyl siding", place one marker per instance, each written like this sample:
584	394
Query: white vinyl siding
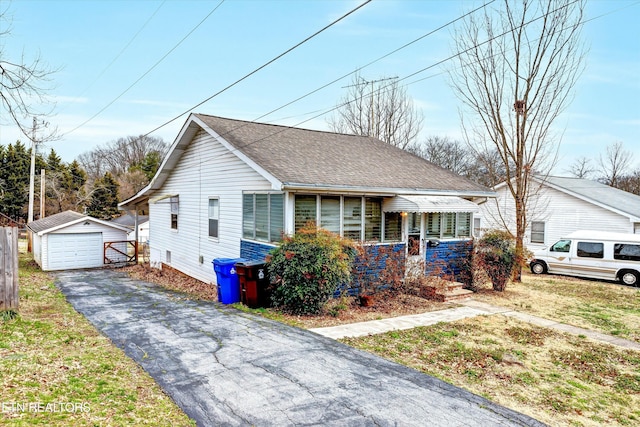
562	214
205	168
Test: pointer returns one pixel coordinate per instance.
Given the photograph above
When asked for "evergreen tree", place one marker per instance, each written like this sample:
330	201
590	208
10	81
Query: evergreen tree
14	181
104	199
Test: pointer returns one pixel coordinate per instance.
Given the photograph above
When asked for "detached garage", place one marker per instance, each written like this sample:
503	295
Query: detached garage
70	240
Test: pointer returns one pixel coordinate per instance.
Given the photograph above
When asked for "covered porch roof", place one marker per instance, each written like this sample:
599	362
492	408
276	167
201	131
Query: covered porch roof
407	203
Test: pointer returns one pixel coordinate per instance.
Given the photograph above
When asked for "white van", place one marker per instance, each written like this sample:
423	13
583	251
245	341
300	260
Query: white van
595	254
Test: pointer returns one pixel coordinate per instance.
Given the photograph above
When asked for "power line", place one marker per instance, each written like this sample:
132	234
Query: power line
358	69
261	67
324	112
148	71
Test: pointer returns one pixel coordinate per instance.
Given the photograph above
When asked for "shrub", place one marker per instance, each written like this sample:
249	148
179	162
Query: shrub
307	269
496	255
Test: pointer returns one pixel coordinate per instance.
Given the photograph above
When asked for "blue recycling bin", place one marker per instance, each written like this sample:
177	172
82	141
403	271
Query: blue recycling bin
227	277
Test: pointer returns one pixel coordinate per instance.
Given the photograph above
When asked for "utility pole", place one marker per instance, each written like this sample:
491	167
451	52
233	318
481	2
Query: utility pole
363	81
31	184
32	174
42	196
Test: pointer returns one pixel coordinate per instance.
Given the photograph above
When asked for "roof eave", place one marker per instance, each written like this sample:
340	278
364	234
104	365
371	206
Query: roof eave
383	191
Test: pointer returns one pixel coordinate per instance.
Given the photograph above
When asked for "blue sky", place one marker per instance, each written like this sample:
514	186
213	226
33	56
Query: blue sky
82	39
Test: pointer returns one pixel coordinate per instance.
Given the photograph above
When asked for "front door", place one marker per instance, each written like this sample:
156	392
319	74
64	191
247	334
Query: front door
415	243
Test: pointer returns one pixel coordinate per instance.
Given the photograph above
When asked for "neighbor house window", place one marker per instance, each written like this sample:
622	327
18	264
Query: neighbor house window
263	216
175	207
214	217
537	232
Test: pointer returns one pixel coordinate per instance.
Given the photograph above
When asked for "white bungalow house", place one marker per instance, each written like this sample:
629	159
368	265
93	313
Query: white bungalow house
560	206
231	188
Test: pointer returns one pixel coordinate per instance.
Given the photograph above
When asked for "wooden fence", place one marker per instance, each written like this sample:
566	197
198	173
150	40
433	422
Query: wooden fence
8	269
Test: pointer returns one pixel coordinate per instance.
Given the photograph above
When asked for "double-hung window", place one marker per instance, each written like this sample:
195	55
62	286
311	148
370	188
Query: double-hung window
174	202
214	217
537	232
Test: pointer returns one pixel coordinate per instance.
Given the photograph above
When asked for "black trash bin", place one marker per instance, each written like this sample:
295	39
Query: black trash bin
254	283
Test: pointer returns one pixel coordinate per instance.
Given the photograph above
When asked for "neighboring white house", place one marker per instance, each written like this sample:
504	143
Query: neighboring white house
564	205
70	240
231	188
129	221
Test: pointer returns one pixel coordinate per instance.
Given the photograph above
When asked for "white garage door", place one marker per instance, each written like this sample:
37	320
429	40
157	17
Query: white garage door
69	251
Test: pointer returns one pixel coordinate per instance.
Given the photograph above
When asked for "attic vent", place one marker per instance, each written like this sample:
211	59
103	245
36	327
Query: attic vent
87	223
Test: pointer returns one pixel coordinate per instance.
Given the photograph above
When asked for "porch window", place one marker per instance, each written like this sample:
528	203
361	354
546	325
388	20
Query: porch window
537	232
305	210
433	225
330	213
353	218
175	208
263	216
214	217
448	225
372	218
463	222
392	227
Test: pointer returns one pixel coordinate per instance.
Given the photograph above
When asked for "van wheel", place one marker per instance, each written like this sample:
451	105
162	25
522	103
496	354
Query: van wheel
538	267
629	277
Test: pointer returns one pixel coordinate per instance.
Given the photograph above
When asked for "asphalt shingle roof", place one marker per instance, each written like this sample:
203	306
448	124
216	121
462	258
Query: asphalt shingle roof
601	193
54	221
309	157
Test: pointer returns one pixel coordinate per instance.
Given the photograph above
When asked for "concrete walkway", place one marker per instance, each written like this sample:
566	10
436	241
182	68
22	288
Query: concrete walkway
228	368
469	308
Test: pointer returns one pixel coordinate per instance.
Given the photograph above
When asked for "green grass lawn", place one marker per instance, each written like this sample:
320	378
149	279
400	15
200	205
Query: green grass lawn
57	370
557	378
605	307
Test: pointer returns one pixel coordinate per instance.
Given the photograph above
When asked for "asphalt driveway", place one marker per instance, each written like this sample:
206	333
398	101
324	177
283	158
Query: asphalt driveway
225	367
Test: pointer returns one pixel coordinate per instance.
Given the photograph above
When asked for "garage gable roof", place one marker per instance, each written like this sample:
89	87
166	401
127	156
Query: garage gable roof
65	219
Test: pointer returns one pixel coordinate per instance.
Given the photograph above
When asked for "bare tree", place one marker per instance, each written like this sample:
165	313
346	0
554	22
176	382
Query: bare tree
444	152
614	164
581	168
119	156
378	108
24	84
517	67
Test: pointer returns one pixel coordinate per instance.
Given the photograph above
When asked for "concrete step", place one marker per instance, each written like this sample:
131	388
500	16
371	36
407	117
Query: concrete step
448	295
